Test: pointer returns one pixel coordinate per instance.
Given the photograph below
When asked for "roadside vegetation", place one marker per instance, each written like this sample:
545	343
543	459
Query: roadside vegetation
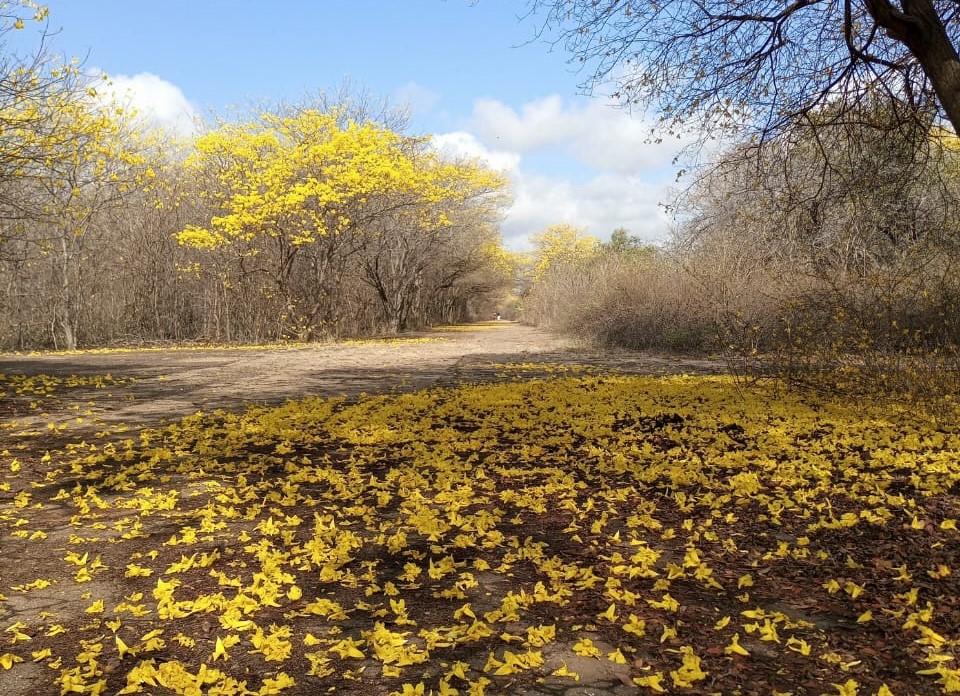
832	269
303	222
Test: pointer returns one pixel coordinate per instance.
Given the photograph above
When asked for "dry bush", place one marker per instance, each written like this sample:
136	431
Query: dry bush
643	304
894	329
633	301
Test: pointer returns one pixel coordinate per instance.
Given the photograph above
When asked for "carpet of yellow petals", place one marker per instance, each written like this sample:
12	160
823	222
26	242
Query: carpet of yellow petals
698	536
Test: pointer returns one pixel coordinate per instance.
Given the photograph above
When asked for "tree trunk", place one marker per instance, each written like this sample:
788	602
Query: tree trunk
939	60
921	29
68	297
69	335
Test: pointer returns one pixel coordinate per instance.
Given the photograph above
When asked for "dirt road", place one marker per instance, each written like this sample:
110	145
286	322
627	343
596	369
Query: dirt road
46	417
168	384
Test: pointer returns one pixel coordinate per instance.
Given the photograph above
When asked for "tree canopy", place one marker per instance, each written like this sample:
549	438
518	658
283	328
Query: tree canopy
764	64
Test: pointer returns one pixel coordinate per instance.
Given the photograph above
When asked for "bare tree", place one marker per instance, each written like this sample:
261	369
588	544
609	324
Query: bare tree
30	78
764	64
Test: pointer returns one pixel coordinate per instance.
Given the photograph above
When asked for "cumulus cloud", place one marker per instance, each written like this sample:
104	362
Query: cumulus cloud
160	102
463	145
417	98
597	133
599	206
539	124
588	164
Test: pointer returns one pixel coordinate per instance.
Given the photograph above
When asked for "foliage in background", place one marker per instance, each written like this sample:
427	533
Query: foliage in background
311	213
310	221
828	238
826	249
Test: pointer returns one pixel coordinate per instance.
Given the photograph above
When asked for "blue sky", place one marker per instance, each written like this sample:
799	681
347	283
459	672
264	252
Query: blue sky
472	74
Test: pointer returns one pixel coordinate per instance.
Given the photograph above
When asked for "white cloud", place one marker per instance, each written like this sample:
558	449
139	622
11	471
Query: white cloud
597	133
416	97
590	165
461	144
160	102
599	206
539	124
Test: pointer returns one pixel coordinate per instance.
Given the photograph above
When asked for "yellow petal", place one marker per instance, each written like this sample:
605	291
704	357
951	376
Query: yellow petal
7	660
735	648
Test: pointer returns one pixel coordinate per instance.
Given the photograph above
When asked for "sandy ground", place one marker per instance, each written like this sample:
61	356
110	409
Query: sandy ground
173	383
149	387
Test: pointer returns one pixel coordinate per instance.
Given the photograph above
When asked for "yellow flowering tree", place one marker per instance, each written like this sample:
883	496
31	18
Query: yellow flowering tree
433	247
295	179
91	164
295	197
561	244
556	271
28	80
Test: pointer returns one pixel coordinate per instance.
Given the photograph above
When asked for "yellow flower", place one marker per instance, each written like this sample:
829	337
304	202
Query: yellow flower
273	646
668	603
459	670
848	688
564	671
123	649
734	648
635	625
610	614
219	651
652	681
275	685
617	656
539	636
410	690
348	648
688	672
586	648
7	660
447	690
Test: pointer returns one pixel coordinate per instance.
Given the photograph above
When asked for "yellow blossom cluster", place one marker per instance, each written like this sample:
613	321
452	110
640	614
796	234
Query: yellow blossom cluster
306	176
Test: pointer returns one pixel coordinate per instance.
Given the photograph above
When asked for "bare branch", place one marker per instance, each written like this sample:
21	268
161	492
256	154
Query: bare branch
760	65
